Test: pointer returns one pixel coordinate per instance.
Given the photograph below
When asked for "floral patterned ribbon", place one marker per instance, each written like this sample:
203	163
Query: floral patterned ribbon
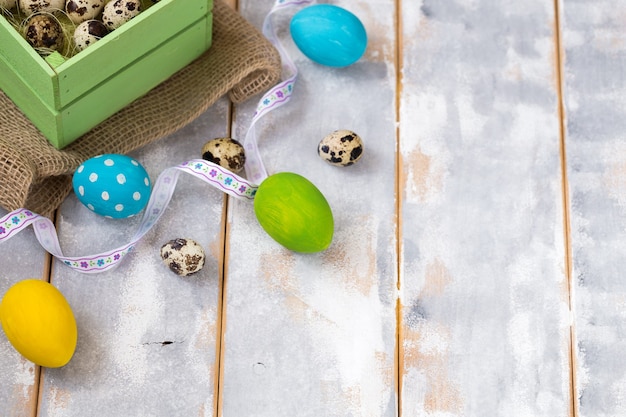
213	174
275	97
46	234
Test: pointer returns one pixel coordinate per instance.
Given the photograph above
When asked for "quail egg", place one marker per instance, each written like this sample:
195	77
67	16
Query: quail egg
81	10
29	7
183	256
44	31
88	33
118	12
341	148
225	152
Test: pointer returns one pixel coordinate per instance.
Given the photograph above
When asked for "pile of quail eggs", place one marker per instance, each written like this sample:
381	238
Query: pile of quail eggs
42	22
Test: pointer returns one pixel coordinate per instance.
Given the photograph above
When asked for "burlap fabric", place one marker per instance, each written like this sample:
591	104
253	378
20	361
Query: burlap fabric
35	175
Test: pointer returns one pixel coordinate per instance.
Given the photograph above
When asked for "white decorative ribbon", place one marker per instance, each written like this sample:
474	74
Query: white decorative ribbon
275	97
163	189
213	174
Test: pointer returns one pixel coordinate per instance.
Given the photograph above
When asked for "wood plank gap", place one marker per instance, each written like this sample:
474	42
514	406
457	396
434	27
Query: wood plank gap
398	62
400	357
221	308
39	376
39	372
49	259
221	313
566	202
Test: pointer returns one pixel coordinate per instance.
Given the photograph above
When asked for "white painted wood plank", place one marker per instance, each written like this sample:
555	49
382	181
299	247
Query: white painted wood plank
124	364
485	328
594	39
21	258
314	335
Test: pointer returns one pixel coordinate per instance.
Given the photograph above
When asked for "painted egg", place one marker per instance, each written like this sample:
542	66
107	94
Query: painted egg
118	12
329	35
341	148
294	213
183	256
89	32
112	185
29	7
225	152
39	323
44	31
82	10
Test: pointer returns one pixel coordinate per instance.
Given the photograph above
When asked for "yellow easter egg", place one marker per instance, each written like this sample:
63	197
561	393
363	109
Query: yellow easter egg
39	323
294	213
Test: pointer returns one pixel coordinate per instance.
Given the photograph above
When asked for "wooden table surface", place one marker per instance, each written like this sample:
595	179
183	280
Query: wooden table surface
479	251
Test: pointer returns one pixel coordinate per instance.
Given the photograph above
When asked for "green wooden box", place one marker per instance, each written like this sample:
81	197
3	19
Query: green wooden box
65	100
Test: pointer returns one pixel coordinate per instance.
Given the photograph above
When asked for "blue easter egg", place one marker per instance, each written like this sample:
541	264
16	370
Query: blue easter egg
112	185
329	35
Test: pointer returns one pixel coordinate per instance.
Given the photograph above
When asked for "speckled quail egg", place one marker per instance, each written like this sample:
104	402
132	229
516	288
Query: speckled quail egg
7	4
29	7
82	10
118	12
183	256
341	148
88	33
44	31
225	152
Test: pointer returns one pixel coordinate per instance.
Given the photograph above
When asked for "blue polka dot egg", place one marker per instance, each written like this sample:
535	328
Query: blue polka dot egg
112	185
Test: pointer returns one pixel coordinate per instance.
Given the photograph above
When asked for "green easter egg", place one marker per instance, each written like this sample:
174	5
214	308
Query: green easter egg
294	213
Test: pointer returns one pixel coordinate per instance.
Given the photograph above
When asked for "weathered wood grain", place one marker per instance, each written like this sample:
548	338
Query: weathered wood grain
594	39
484	320
485	324
21	259
147	337
314	335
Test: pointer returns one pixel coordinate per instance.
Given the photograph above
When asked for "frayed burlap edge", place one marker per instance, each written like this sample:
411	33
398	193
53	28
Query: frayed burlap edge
35	175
